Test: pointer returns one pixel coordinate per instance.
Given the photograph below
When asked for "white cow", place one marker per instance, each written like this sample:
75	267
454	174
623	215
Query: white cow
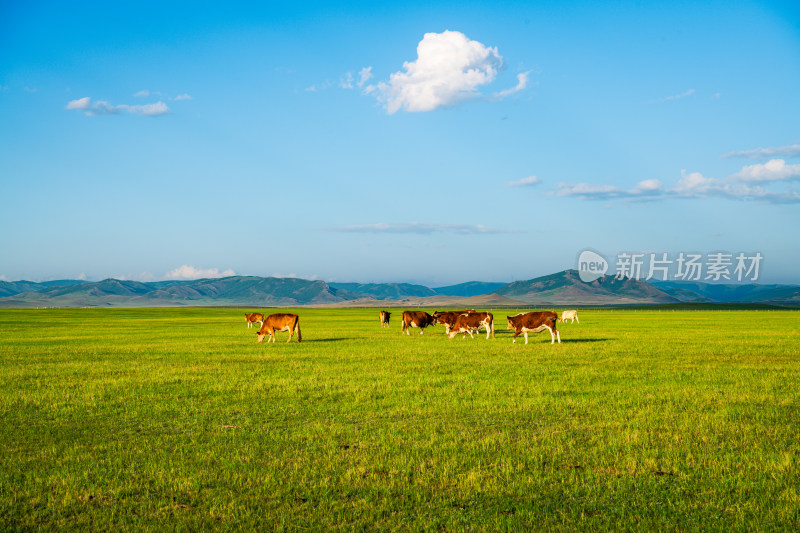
570	314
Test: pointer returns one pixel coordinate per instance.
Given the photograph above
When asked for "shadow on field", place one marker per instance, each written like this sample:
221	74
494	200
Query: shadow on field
584	340
333	339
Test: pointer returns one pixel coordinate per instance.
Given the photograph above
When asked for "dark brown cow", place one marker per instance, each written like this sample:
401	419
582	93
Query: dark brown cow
448	318
385	316
252	318
473	321
416	319
535	322
280	322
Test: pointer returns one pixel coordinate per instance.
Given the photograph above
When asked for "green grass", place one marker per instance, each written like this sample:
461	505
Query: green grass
177	419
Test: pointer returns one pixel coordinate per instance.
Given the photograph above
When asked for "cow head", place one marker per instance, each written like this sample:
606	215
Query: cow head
261	336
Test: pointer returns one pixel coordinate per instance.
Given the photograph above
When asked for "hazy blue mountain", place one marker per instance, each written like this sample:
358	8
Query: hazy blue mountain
385	291
470	288
732	292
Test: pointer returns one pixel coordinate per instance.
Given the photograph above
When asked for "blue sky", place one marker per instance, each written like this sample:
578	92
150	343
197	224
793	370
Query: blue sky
399	142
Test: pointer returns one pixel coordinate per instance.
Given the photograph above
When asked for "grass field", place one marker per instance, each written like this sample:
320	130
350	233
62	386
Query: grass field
178	419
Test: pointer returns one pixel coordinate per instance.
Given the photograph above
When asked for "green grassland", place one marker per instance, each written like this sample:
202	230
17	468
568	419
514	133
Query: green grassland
177	419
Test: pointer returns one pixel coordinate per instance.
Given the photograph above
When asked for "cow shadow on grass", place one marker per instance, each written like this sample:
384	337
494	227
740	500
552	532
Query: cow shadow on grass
584	340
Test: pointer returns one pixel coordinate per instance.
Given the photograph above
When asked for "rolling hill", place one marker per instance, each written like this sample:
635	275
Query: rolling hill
559	289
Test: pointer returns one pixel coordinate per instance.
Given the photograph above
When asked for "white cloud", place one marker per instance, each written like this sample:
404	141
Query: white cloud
183	96
142	94
524	182
420	228
522	82
364	75
448	70
646	189
101	107
766	153
675	96
743	185
773	170
346	81
190	272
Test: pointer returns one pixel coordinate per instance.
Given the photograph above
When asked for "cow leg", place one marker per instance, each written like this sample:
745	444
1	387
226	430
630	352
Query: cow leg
515	337
558	336
526	337
552	337
470	334
578	319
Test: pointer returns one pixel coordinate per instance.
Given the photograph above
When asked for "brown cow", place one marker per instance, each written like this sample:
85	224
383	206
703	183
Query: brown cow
448	318
384	316
416	319
535	322
280	322
252	318
467	322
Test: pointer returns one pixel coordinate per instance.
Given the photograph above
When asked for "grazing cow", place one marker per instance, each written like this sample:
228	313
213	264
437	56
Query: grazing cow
385	316
252	318
416	319
570	314
280	322
448	318
535	322
467	322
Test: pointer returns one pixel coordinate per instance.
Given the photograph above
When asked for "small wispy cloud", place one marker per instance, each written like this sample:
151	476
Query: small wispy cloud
100	107
190	272
364	75
675	96
522	83
749	184
142	94
585	191
766	153
524	182
420	228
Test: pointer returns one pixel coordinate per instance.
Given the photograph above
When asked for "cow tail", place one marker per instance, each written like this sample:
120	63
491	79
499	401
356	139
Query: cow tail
297	329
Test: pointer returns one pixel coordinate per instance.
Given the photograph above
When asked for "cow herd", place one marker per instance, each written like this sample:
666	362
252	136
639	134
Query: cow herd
463	321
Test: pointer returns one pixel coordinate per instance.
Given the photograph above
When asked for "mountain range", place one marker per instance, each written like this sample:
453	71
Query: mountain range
559	289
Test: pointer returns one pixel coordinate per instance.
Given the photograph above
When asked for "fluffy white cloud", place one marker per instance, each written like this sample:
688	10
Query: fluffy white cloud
766	153
524	182
100	107
190	272
773	170
449	69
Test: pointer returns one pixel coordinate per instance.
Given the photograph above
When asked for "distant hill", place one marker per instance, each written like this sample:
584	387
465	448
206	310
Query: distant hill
10	288
566	288
559	289
730	292
470	288
384	291
234	290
